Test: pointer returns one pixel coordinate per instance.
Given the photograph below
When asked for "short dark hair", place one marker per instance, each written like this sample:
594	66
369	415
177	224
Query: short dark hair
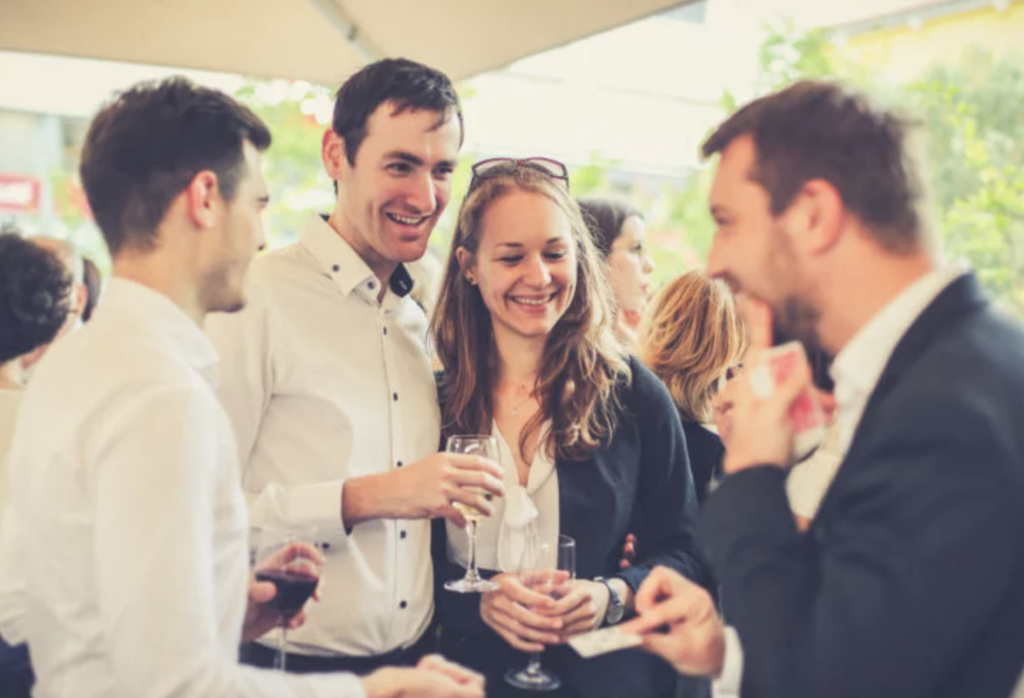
145	146
826	130
605	218
35	296
406	84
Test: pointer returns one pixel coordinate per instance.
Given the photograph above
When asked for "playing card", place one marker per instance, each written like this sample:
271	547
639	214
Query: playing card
602	641
806	414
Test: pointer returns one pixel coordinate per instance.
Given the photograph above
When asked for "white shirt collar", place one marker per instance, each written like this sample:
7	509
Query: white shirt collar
164	318
859	365
343	264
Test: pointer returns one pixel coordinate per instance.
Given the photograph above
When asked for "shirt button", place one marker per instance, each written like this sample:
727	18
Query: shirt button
336	268
403	604
385	330
372	286
399	464
327	546
402	535
395	395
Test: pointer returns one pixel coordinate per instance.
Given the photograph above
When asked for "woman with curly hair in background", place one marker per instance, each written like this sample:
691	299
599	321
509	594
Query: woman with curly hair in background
35	298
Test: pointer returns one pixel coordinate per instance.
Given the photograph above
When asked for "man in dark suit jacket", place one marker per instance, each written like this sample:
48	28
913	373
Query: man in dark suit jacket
910	581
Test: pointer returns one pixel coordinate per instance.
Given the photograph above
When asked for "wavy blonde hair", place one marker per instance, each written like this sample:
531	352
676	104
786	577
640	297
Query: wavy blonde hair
690	335
581	368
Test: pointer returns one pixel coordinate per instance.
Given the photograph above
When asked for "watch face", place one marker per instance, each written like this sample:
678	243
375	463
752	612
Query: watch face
615	614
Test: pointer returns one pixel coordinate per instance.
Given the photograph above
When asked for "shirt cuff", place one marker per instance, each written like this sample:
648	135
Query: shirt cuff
727	685
317	505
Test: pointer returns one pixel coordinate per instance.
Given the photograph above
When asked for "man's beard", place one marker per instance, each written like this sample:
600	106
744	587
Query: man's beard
796	320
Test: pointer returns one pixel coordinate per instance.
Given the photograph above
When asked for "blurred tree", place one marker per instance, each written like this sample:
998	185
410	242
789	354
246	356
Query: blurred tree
974	141
968	109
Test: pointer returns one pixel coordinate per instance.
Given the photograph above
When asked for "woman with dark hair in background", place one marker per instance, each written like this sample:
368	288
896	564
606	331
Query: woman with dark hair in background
35	299
619	234
692	337
590	442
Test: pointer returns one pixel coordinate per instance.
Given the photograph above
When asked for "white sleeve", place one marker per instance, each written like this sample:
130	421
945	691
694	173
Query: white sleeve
155	472
809	481
12	585
245	343
727	685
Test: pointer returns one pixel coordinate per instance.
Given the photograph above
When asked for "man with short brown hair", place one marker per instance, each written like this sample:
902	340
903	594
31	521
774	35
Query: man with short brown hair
910	580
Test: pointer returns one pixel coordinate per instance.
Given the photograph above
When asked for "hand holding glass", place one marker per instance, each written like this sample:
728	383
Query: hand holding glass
544	569
485	447
295	576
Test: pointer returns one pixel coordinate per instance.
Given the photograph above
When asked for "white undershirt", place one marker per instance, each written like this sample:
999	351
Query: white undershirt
501	536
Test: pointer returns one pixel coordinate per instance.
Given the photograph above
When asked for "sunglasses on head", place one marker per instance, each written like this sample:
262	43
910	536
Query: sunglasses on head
504	166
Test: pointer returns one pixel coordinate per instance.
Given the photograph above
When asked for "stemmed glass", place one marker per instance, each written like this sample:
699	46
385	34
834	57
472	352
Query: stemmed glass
280	560
540	570
485	447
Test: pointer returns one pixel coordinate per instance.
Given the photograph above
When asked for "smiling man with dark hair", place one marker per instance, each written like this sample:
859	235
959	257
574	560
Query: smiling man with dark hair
327	379
130	529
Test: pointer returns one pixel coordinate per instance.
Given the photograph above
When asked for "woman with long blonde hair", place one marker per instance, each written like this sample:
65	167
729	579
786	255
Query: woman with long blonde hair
589	440
692	337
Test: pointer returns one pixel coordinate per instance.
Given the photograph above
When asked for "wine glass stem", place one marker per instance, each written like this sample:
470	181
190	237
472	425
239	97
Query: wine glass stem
282	644
471	572
533	667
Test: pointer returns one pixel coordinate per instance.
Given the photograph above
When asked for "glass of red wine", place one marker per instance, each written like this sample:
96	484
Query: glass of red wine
282	558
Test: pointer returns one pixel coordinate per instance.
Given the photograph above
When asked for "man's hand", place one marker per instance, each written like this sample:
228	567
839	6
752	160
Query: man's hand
756	429
694	642
515	612
260	616
433	677
425	489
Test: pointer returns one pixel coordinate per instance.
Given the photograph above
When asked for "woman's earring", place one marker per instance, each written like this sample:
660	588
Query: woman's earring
470	280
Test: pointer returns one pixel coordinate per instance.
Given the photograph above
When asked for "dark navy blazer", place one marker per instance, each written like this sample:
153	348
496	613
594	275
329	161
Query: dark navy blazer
910	582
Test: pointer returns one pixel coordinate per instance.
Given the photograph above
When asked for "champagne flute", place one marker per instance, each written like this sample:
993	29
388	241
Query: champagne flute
280	560
538	572
485	447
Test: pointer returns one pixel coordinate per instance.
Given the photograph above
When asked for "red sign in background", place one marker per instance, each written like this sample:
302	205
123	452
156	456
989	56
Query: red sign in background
19	193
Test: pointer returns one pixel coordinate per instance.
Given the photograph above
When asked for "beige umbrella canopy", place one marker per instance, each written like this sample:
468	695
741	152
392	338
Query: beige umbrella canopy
321	41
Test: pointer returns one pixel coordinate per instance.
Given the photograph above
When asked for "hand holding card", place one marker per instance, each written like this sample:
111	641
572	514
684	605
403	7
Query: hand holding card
805	414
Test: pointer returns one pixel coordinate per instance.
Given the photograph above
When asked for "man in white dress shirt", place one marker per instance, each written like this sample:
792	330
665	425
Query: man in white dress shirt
132	528
910	579
327	380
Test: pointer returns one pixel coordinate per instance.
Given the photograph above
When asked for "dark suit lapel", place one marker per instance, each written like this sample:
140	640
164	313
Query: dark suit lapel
963	296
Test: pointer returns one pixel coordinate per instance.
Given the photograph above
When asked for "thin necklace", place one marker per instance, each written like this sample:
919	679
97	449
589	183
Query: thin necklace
515	410
519	406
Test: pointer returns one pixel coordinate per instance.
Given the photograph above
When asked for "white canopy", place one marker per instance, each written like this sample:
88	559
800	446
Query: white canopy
322	41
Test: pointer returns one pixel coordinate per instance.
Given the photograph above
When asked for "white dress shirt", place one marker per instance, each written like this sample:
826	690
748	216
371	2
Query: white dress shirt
10	584
10	400
810	478
132	530
323	382
522	513
856	370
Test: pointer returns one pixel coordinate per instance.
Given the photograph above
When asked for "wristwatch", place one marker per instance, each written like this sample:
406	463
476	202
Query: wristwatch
616	609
